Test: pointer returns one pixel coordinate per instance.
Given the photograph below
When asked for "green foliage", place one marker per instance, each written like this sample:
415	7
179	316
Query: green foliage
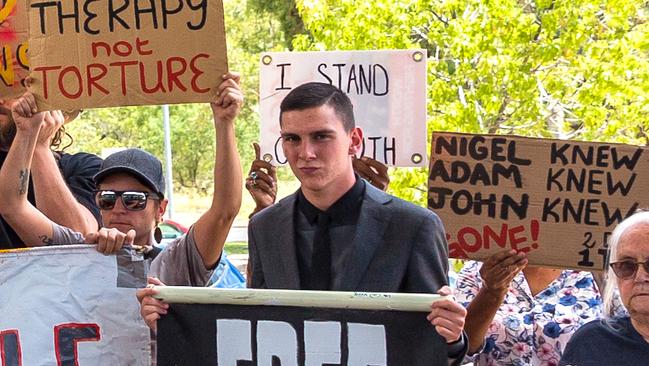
285	12
191	128
118	127
550	68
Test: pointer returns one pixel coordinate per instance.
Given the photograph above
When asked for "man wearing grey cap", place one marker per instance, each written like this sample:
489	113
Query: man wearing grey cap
131	199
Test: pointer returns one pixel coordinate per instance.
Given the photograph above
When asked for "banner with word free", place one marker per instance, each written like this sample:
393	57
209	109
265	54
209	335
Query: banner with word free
281	327
387	89
556	200
70	305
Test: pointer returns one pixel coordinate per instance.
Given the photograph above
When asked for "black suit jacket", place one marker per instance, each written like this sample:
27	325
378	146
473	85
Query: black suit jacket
398	247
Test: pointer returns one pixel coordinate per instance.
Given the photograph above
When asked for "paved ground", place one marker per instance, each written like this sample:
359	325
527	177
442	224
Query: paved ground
238	233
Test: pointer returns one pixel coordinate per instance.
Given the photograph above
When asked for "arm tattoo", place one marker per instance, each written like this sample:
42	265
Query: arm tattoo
24	181
45	240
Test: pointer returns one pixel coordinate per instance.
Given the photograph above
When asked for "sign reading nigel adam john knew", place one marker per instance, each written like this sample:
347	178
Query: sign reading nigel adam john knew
556	200
88	53
387	89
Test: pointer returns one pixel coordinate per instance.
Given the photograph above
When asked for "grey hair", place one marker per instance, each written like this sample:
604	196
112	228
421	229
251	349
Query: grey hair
611	288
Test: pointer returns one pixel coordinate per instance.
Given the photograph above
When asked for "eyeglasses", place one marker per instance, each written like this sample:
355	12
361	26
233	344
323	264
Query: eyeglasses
132	200
627	269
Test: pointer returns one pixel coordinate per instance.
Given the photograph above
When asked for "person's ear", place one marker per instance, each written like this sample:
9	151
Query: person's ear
356	141
162	208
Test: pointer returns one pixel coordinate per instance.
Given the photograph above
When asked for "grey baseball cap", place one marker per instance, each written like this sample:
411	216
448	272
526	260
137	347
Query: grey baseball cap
138	163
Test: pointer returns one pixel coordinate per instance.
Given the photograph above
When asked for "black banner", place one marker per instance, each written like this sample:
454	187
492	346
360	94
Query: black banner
273	335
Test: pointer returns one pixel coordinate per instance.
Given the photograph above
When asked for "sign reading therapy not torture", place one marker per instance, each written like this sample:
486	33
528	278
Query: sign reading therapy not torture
387	89
88	53
556	200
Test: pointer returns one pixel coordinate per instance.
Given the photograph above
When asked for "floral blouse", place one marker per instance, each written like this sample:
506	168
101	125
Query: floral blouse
533	330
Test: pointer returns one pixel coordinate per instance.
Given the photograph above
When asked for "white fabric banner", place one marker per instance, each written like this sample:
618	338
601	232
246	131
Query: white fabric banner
387	89
66	305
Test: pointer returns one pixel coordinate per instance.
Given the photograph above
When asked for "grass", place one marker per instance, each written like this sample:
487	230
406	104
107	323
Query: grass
236	247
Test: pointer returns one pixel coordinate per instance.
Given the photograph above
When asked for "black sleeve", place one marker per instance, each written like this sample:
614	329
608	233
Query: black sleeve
151	254
78	171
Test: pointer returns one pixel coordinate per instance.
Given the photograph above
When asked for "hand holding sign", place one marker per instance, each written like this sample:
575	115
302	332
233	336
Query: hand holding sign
110	241
50	126
27	118
151	309
500	269
447	316
229	99
261	181
25	106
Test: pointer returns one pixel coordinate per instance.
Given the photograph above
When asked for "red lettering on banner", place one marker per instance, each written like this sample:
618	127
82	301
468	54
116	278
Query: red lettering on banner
93	79
77	74
158	84
45	69
139	43
174	73
66	337
95	47
470	240
122	65
197	73
10	350
172	76
121	48
126	49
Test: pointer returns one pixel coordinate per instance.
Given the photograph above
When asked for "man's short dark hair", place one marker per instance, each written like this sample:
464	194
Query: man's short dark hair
311	95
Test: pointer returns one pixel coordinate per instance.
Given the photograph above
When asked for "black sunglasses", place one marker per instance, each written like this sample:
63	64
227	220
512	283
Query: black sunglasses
132	200
627	269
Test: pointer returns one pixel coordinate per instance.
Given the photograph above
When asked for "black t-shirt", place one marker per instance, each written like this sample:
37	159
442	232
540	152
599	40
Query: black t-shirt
78	171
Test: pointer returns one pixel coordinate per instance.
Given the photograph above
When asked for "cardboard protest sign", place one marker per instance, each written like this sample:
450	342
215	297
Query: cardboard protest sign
88	53
14	33
387	89
556	200
71	305
271	334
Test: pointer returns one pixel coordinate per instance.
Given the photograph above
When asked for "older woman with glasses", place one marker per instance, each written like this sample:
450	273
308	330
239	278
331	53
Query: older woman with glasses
131	196
620	340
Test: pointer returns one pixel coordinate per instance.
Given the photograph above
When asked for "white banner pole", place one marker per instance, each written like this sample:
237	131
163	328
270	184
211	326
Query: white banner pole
323	299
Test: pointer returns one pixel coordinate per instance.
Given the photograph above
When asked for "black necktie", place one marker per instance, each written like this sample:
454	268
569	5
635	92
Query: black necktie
321	259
